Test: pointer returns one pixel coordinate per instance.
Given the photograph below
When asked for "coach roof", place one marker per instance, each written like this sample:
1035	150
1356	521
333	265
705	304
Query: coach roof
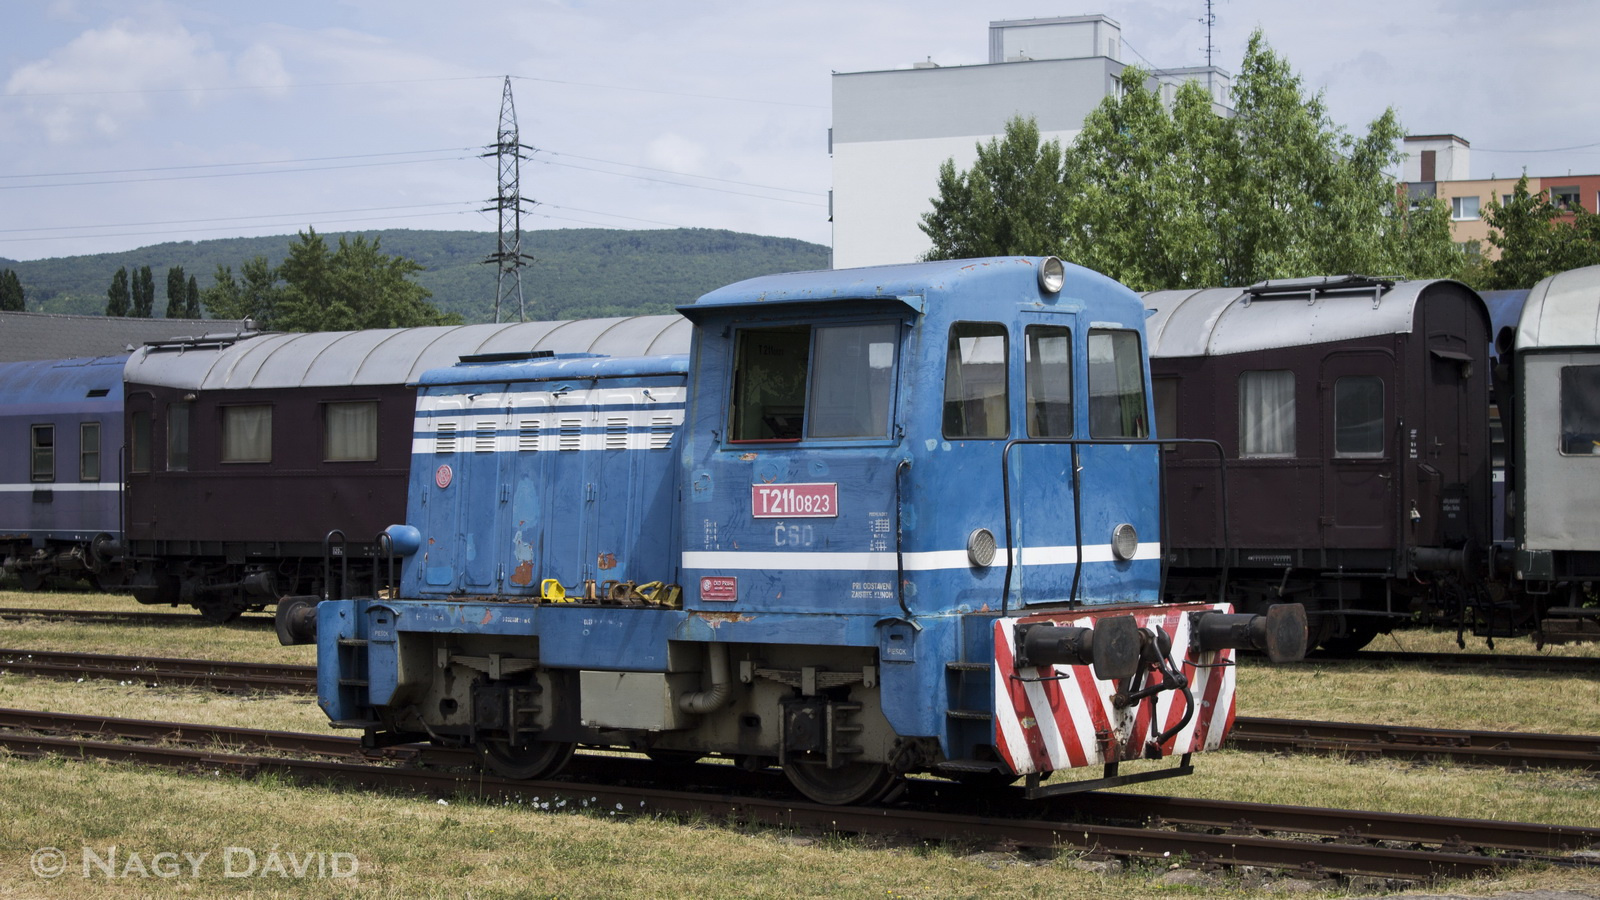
388	356
1292	313
1562	311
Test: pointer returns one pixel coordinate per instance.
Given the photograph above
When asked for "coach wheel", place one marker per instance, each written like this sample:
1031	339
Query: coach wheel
218	612
534	759
1354	638
31	579
849	784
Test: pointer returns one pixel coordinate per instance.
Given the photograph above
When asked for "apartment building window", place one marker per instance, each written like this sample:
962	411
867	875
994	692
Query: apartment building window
1564	197
1463	207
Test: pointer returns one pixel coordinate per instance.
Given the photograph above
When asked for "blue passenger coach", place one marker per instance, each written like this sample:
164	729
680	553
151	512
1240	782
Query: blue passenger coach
61	472
878	521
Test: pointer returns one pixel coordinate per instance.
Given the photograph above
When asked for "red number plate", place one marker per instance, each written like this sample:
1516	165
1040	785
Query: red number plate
794	501
719	587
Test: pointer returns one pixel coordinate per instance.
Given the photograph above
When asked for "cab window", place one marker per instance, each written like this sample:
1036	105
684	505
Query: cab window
976	400
1047	358
833	382
1117	401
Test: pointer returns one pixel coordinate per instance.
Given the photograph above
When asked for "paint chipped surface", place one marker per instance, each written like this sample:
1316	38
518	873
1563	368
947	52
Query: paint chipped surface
716	619
607	561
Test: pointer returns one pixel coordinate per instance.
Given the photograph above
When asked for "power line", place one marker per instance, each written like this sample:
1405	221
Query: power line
81	237
698	187
1551	150
768	187
400	162
327	84
264	162
242	222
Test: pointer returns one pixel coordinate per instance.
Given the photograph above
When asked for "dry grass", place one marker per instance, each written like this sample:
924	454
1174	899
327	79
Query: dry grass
412	847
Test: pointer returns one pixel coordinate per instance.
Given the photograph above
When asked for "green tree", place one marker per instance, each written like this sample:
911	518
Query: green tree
176	299
12	298
1006	204
356	286
118	297
144	294
1161	198
1537	239
191	299
255	295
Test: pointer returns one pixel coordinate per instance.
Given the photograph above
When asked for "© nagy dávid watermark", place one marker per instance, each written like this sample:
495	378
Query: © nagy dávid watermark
113	861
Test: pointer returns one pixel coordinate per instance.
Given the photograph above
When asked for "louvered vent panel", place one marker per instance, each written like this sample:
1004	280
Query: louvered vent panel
483	439
528	435
445	438
617	433
571	437
660	432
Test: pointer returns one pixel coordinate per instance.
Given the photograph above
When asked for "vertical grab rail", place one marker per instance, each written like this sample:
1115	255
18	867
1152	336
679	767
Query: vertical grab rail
327	564
385	544
1077	507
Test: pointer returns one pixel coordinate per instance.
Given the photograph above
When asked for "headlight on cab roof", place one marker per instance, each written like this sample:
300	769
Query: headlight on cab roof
1052	275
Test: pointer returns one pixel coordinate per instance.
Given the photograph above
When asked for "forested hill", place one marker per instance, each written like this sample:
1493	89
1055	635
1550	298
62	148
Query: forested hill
577	273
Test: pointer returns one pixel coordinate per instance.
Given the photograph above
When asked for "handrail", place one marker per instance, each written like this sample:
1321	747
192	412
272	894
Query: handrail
1077	507
327	565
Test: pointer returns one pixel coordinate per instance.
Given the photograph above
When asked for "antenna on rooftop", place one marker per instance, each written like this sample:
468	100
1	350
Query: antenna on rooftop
507	150
1209	20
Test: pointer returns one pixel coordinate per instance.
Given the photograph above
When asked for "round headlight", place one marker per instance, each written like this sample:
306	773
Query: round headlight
1052	275
980	547
1124	541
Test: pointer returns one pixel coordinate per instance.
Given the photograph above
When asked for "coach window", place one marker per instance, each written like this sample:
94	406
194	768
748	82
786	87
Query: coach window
1047	360
139	442
976	399
1116	385
177	437
1358	416
44	453
247	433
350	431
1266	413
89	451
1580	410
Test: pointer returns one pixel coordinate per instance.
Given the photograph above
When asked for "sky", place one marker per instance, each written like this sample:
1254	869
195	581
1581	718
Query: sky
125	123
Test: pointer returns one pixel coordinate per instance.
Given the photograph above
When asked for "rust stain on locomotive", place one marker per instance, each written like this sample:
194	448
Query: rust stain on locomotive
608	561
522	575
716	619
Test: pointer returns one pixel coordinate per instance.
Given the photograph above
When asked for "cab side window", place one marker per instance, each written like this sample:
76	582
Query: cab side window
1117	401
833	382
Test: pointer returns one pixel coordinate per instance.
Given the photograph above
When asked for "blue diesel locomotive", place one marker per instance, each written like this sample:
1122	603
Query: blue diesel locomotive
877	521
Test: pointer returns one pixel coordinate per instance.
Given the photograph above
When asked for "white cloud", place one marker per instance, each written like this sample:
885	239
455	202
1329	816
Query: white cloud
91	84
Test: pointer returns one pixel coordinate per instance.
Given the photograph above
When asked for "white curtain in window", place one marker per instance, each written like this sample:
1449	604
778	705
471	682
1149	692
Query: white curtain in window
352	430
1266	413
247	434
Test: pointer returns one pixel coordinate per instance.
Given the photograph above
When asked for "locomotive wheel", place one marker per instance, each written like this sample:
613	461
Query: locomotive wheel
31	580
535	759
850	784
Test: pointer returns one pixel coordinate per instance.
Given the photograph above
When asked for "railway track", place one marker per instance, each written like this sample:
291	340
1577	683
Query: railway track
219	674
122	617
1206	833
1498	748
1508	662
